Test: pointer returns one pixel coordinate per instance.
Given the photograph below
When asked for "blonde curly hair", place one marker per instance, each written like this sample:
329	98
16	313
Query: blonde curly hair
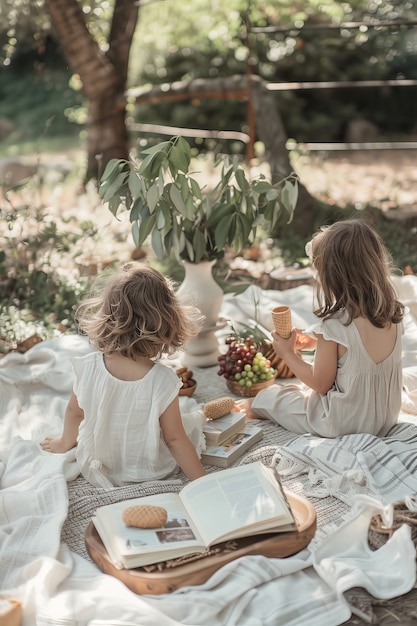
137	314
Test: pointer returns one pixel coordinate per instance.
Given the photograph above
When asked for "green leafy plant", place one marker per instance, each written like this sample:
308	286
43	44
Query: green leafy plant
37	296
192	222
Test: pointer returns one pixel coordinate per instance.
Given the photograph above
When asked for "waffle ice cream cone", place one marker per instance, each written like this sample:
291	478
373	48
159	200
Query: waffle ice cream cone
281	316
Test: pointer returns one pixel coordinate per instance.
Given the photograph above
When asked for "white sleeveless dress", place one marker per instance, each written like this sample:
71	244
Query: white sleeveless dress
120	440
365	397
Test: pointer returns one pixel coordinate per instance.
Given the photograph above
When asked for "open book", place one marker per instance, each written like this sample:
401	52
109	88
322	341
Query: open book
226	504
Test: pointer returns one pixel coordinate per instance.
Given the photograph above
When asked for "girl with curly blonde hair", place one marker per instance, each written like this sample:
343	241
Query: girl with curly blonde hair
124	414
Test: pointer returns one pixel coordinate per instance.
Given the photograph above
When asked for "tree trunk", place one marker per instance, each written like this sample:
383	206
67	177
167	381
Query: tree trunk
107	136
103	76
270	130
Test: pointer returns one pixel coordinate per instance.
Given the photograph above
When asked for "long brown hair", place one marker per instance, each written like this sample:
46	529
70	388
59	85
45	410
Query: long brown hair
353	270
137	313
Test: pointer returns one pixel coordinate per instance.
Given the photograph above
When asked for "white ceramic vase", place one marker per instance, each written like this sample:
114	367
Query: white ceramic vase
200	289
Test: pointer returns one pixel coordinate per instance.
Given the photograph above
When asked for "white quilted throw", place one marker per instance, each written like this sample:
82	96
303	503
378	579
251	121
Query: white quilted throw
45	505
346	466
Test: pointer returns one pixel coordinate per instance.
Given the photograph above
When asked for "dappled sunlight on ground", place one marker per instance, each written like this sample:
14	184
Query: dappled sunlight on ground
385	179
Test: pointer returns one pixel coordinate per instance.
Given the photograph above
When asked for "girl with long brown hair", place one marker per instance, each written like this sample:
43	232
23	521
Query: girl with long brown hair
354	384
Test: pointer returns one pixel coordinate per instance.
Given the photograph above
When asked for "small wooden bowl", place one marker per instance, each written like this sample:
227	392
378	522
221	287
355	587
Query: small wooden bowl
187	391
248	392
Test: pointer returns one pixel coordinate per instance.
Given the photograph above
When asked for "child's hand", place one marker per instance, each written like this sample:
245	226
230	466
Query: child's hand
245	406
304	342
283	347
240	406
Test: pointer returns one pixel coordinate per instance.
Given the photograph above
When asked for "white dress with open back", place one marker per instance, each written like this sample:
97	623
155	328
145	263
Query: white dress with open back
365	397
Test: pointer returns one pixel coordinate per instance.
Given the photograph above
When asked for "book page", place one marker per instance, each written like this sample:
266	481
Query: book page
228	446
217	430
224	423
120	540
236	502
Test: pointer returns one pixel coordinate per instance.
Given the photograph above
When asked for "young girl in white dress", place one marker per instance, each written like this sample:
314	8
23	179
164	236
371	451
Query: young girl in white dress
354	384
123	414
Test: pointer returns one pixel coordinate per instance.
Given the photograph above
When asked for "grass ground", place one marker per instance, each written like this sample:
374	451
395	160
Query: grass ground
52	223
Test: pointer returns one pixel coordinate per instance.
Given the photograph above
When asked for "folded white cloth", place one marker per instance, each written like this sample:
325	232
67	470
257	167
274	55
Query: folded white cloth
256	591
344	559
35	387
57	586
384	468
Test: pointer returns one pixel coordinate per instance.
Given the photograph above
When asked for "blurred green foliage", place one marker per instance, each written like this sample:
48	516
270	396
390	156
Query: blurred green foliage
35	95
280	40
288	40
201	43
38	289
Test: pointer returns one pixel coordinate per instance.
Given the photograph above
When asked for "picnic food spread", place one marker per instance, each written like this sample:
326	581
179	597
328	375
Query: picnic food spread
244	362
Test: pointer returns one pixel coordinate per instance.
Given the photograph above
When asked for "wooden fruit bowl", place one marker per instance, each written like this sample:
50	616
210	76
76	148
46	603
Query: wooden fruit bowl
282	369
248	392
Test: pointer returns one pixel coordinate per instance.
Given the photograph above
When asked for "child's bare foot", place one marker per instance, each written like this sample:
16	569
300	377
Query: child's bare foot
54	444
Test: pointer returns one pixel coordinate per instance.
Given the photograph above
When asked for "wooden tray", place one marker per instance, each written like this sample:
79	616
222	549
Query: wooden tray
276	545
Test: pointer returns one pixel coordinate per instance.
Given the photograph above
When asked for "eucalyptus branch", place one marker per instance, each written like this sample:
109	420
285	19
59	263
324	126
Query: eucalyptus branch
185	219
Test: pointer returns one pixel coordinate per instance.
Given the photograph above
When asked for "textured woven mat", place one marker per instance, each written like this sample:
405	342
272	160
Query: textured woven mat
84	498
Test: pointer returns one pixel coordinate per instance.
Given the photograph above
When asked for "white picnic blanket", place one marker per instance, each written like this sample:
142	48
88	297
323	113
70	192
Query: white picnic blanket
44	505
